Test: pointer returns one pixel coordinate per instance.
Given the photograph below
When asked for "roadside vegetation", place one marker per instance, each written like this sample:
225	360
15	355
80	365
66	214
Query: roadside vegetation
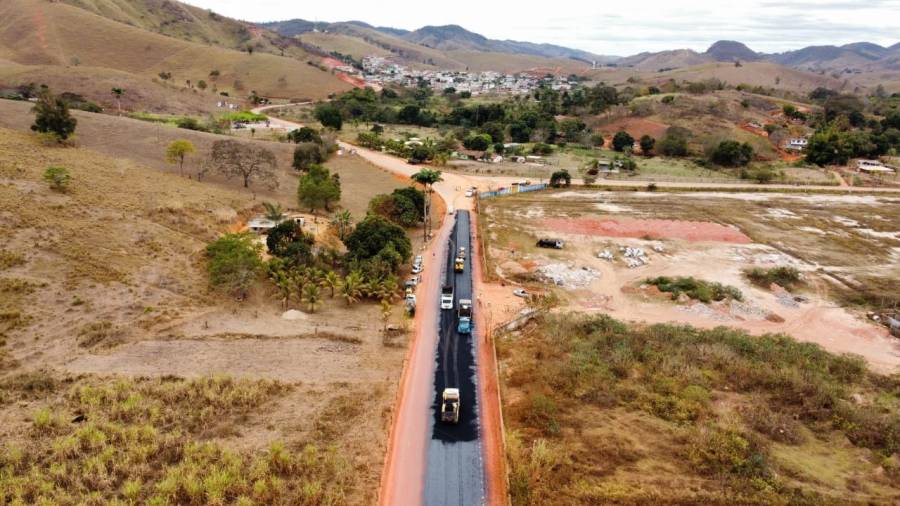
148	442
602	412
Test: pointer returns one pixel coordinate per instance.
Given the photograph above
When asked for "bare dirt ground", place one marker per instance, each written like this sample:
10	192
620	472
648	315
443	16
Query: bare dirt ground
589	283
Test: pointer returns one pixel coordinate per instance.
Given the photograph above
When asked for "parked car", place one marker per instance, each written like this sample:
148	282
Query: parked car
470	193
520	292
551	243
418	268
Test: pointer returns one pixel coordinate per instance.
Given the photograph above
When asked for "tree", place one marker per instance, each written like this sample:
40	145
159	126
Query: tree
312	295
331	281
478	142
560	178
318	188
519	131
647	144
201	84
304	134
177	151
622	141
58	178
731	154
250	163
307	154
342	221
329	116
673	144
287	240
118	92
404	207
373	236
351	287
597	140
495	130
273	211
233	262
427	178
386	310
52	117
571	128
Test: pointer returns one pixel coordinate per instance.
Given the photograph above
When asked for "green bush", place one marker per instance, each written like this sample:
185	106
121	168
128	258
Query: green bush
233	262
58	178
785	276
703	291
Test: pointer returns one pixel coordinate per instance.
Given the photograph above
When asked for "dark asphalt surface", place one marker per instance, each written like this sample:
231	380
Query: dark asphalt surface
455	473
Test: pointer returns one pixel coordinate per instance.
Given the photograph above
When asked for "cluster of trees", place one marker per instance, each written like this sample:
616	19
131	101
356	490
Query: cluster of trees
730	153
841	138
519	119
313	147
404	206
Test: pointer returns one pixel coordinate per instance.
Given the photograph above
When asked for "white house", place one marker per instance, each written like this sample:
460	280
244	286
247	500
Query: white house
797	143
262	225
873	167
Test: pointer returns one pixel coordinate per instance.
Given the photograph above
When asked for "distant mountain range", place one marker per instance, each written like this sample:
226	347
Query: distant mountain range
443	38
856	57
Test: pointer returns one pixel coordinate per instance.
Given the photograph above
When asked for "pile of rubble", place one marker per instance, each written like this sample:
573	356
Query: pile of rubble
567	275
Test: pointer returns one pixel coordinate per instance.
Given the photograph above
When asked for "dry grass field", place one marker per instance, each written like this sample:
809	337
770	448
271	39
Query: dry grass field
145	144
186	396
598	411
39	34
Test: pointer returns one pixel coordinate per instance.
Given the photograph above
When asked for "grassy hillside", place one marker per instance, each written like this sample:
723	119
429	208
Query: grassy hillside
600	412
116	265
34	32
145	143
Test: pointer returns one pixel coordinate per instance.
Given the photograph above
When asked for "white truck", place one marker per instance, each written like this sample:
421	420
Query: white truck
447	297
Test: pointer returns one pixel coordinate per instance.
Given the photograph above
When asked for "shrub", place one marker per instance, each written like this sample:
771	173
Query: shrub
52	117
541	149
731	154
728	451
622	141
233	262
560	178
58	178
703	291
784	276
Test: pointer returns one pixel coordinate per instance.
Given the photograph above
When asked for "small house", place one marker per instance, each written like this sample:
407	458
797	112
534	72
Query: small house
797	143
873	167
262	225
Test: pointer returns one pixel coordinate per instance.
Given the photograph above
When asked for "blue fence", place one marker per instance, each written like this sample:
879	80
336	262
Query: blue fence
512	190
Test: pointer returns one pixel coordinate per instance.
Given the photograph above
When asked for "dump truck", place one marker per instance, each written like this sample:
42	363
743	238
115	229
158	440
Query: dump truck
447	297
450	405
465	316
459	265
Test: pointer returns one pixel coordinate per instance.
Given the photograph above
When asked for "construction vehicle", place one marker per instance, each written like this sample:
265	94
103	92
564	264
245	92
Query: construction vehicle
447	297
464	311
450	405
462	252
459	265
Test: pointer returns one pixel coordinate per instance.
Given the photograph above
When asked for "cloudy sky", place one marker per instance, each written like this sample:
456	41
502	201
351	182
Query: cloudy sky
611	27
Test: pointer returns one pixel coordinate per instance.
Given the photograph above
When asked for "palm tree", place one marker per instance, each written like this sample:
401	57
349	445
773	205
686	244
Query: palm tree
284	284
386	309
427	178
118	92
299	278
312	295
273	211
351	287
342	220
332	281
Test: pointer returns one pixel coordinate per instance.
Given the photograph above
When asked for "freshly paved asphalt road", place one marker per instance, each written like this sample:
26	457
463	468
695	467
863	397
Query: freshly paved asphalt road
455	468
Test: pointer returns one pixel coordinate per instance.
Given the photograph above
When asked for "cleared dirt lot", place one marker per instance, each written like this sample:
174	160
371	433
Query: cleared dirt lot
846	246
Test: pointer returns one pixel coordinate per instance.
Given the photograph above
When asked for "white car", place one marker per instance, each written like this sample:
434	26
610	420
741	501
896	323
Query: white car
470	193
520	292
417	269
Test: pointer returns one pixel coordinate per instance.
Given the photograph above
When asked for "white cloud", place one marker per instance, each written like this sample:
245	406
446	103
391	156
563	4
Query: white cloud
652	25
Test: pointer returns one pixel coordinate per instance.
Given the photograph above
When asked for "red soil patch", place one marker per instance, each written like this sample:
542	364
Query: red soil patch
636	127
654	229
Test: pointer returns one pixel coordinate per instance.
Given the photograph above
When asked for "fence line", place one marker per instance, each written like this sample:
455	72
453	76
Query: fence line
511	190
